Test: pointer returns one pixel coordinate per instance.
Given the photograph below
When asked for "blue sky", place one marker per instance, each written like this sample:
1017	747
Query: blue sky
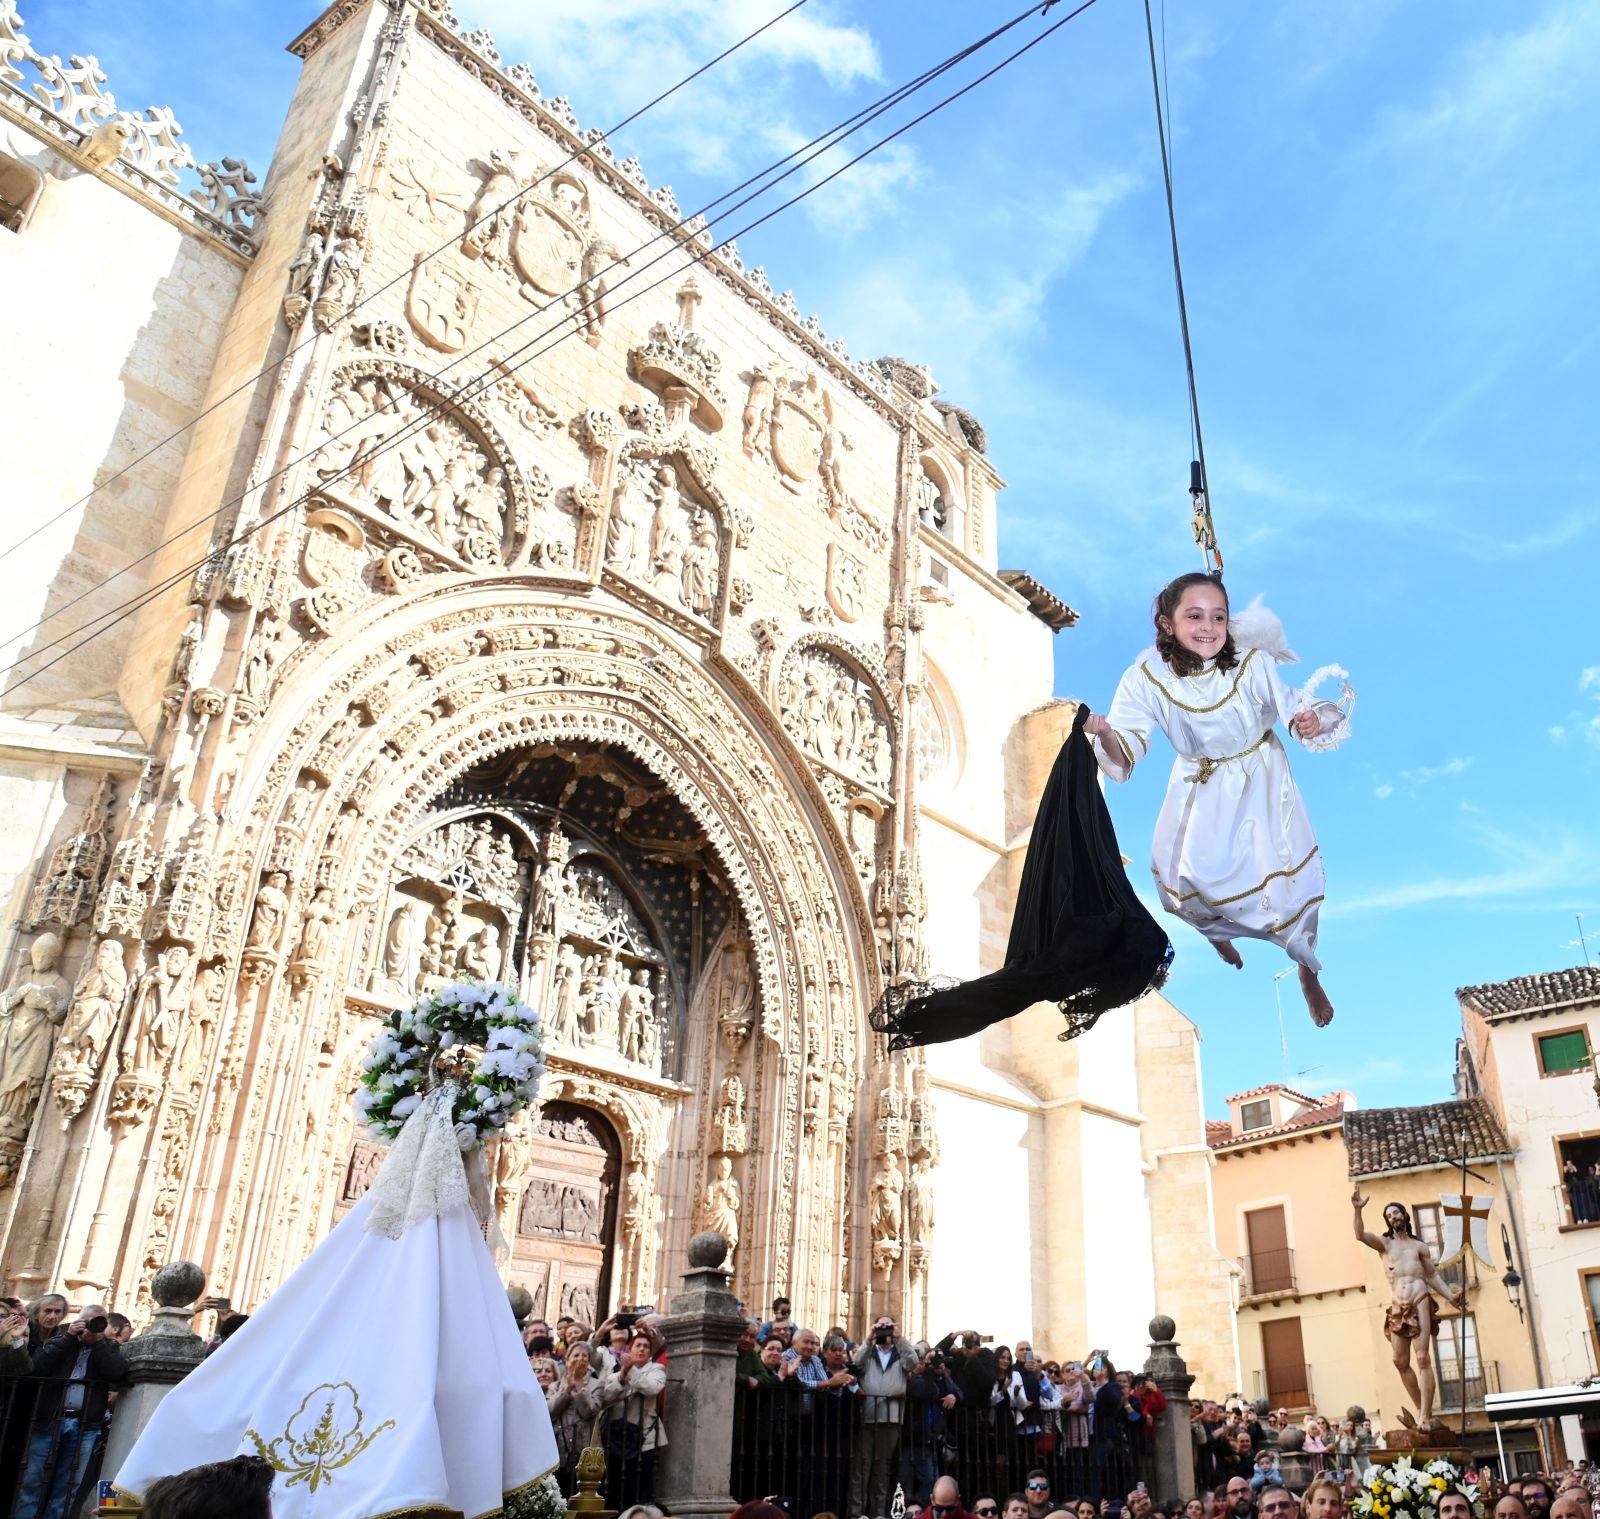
1388	220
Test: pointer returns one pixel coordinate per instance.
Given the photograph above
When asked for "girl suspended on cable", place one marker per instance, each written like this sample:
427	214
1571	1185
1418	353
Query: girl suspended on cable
1234	854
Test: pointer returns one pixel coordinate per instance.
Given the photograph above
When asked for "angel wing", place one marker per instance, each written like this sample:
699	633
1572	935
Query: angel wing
1258	627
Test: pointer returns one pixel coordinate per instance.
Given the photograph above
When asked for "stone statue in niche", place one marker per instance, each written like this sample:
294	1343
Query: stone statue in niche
816	1081
719	1204
96	1001
317	930
625	526
481	955
605	1002
758	416
736	994
600	258
638	1011
30	1012
667	536
636	1204
700	577
885	1210
564	999
297	809
160	1007
272	907
920	1203
512	1154
265	652
731	1131
394	977
550	888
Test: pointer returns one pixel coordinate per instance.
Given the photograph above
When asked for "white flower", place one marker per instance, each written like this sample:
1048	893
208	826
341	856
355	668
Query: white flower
405	1107
446	1039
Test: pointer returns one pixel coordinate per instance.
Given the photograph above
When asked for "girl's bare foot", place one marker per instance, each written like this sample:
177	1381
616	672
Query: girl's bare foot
1230	955
1316	998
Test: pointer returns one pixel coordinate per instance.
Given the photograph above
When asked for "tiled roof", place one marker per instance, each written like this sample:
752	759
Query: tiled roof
1402	1139
1532	994
1276	1086
1049	608
1219	1135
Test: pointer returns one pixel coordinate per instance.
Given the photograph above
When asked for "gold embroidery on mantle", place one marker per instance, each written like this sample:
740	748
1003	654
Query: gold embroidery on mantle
1215	706
316	1444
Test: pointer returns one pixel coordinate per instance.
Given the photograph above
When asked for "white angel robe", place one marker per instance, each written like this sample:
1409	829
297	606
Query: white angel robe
1234	853
386	1375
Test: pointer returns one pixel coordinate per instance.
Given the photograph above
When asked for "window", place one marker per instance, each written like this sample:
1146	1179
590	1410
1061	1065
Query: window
1457	1353
1562	1053
21	185
1430	1230
1579	1160
1255	1115
1283	1352
1590	1281
932	507
1269	1266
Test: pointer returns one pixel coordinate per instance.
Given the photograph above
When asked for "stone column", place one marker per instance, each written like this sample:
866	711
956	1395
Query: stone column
1174	1443
702	1334
159	1358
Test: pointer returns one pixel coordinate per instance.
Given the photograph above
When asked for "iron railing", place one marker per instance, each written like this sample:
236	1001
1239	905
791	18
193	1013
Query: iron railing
1579	1200
52	1440
1482	1377
1267	1271
840	1452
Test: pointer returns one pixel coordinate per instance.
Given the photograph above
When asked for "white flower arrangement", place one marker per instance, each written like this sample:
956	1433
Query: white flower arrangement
541	1500
1408	1490
411	1055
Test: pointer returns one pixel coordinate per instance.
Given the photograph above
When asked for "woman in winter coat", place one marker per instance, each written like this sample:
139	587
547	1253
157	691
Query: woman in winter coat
634	1428
577	1397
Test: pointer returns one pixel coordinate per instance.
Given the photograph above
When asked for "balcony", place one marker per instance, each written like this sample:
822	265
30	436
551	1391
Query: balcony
1482	1377
1267	1273
1286	1387
1579	1202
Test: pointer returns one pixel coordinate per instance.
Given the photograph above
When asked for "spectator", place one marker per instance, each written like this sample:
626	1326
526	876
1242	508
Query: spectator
1108	1428
973	1366
240	1488
1152	1405
1016	1506
782	1315
933	1398
14	1358
634	1430
1195	1508
544	1371
119	1327
944	1502
44	1318
1324	1499
643	1511
1238	1500
1036	1493
882	1370
576	1397
1536	1495
1076	1398
986	1507
1571	1503
1275	1501
833	1430
78	1366
1454	1504
1266	1472
803	1365
1511	1506
1139	1504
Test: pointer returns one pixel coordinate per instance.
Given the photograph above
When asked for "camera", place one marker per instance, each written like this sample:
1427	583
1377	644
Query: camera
883	1336
98	1324
626	1320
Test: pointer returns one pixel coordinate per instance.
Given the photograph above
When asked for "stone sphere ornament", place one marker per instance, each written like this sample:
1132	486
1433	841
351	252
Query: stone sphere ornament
521	1301
177	1284
1162	1328
707	1250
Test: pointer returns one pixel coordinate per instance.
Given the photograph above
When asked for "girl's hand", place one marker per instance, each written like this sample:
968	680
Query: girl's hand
1305	724
1097	726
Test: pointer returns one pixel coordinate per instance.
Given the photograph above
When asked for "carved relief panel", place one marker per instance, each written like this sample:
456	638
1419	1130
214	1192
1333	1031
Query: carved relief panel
835	714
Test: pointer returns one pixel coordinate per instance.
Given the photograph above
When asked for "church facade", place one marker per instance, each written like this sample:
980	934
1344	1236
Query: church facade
531	593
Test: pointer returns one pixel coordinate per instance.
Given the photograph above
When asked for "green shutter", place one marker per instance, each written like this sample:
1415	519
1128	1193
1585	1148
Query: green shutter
1564	1052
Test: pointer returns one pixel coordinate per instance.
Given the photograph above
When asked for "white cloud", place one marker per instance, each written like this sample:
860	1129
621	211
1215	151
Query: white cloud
863	193
1589	680
1384	792
611	56
1425	773
1558	734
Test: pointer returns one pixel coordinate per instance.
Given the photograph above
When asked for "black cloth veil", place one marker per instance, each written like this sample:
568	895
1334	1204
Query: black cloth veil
1079	938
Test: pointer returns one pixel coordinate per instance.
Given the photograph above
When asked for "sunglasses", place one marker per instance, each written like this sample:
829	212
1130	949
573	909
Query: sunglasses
1038	1487
986	1513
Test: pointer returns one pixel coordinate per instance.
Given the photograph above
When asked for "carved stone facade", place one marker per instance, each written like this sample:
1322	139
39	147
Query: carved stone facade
521	654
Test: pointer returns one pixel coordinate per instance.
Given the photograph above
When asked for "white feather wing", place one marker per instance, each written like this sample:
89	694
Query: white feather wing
1258	627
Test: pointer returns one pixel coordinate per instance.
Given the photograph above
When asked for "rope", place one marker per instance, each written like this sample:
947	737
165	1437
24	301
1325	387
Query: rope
1205	532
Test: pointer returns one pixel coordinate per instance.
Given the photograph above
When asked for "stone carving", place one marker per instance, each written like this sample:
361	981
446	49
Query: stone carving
638	1015
885	1208
816	1081
565	995
846	589
636	1205
271	908
834	715
792	420
600	1025
77	864
30	1011
679	555
316	930
413	189
434	482
920	1203
96	1004
155	1022
442	303
735	994
550	889
512	1154
341	278
599	259
924	1120
731	1130
719	1205
394	977
680	363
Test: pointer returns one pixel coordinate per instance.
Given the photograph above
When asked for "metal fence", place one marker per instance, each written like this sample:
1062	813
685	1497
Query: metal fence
52	1440
840	1452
